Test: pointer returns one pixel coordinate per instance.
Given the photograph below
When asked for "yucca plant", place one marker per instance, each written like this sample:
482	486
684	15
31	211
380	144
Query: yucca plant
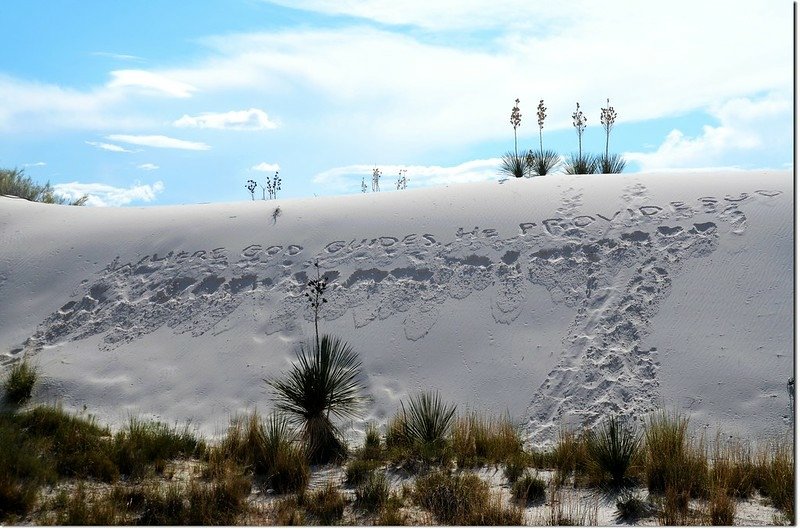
427	421
581	164
614	163
541	162
513	165
612	449
325	381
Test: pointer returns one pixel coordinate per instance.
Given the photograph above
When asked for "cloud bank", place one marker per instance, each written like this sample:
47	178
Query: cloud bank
251	119
106	195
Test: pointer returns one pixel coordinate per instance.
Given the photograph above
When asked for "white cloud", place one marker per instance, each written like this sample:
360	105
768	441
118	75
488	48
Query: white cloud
148	166
266	167
118	56
107	146
162	142
251	119
745	126
150	82
348	178
35	164
106	195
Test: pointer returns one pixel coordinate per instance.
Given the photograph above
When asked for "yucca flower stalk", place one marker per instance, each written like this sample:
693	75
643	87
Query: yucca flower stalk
516	121
251	186
316	297
579	122
376	180
607	118
540	114
363	184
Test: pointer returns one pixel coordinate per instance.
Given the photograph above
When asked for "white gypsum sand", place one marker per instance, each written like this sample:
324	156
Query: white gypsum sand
560	299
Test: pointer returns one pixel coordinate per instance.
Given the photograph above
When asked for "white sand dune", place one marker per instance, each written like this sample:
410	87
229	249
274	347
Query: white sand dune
559	299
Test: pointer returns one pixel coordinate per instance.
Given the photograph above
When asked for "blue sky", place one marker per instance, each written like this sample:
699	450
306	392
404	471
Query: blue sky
155	102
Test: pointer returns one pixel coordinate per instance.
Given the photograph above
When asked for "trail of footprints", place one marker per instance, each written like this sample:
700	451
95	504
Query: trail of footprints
615	282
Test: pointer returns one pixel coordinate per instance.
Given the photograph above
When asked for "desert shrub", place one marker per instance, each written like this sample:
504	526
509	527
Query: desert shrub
610	164
672	461
396	433
391	515
373	492
611	450
581	164
673	507
22	470
630	507
477	440
541	162
513	165
529	488
141	445
358	470
14	182
327	504
325	381
774	474
18	385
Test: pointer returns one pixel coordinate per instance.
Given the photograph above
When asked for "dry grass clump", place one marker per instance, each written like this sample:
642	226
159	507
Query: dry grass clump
373	493
478	439
326	504
462	499
569	456
143	445
774	474
721	508
267	449
732	468
419	434
566	509
529	488
673	462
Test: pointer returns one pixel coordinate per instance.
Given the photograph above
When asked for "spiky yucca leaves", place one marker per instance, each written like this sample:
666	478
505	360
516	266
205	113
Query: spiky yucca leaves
542	162
513	165
427	422
325	381
610	164
612	449
580	164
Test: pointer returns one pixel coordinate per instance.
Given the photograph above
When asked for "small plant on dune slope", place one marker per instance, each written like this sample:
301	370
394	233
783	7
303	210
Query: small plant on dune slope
273	186
612	448
373	493
376	180
18	386
541	162
529	489
516	121
327	504
614	163
325	381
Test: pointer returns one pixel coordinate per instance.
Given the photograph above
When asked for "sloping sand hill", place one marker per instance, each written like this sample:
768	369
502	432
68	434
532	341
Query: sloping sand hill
559	299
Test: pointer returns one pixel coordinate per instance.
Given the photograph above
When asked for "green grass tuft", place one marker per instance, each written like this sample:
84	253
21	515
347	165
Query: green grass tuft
18	386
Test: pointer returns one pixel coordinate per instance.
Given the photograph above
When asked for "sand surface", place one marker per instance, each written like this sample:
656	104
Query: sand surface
559	299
